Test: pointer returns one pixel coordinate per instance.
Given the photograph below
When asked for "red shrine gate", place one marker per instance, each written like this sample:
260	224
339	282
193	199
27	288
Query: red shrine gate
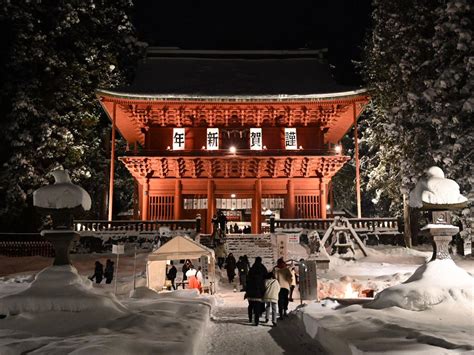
245	154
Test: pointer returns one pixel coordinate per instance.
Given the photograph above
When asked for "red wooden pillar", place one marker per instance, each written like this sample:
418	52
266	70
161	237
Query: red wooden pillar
291	199
257	208
112	165
323	197
145	199
331	198
178	199
211	205
357	163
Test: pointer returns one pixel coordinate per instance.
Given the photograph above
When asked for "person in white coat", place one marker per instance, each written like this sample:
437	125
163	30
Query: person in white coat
272	290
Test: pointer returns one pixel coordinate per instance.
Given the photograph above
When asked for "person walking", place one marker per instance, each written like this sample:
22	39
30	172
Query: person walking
255	290
222	219
283	275
293	283
230	265
272	290
171	275
109	271
220	254
243	269
98	273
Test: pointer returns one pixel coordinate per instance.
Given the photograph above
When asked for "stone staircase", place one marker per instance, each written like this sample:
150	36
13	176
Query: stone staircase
252	245
205	239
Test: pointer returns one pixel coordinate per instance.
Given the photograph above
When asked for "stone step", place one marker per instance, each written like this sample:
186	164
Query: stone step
252	246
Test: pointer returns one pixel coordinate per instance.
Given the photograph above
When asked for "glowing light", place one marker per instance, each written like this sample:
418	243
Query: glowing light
232	150
338	149
328	206
349	292
232	195
203	147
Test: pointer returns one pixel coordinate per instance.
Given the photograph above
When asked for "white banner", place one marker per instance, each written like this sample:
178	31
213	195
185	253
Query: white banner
290	138
256	142
178	138
212	139
118	249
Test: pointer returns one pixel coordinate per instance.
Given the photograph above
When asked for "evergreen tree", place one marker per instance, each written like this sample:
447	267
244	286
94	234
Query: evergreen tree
418	68
57	54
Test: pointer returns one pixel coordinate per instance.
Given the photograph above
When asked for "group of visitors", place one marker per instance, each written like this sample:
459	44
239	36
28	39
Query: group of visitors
264	290
100	273
235	229
242	266
219	222
191	276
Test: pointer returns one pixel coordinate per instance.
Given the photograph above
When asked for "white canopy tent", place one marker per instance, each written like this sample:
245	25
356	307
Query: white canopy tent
180	247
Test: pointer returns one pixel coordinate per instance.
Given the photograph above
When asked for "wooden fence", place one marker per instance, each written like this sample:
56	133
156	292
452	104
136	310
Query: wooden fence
24	244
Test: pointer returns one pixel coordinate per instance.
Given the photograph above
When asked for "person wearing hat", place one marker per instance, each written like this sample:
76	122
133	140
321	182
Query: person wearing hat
283	275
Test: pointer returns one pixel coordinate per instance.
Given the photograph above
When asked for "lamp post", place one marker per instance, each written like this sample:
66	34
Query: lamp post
439	196
62	201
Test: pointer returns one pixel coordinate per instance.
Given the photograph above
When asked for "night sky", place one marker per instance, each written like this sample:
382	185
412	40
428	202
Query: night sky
339	25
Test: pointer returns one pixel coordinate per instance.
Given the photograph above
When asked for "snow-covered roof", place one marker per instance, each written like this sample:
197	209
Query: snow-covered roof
180	247
266	74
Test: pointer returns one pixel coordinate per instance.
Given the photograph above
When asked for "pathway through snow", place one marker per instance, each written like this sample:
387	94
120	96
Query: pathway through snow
230	332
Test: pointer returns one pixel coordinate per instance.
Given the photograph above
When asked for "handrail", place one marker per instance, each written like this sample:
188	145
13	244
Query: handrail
366	224
139	226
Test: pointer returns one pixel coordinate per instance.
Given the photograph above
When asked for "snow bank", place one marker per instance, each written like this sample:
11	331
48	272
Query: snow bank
60	288
357	330
436	282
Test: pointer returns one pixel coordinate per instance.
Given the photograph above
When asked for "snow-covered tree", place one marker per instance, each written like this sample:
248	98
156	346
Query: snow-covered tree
419	70
57	54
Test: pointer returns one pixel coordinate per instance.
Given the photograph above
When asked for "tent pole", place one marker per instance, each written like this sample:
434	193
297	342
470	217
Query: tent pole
135	268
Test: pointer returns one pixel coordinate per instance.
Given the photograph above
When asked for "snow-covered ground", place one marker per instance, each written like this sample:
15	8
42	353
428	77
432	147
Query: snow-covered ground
44	321
178	322
431	312
230	332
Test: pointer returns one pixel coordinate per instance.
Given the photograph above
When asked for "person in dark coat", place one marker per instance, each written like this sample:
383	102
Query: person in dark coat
109	271
230	265
221	217
171	275
215	226
98	272
243	269
256	289
187	265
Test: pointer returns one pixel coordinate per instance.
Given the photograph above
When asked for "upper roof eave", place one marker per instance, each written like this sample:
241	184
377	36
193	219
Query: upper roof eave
227	98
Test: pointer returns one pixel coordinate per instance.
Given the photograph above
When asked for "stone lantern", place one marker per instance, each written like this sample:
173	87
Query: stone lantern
440	196
62	201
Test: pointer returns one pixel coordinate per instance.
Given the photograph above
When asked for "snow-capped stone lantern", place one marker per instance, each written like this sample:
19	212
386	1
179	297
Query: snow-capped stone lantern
439	195
62	201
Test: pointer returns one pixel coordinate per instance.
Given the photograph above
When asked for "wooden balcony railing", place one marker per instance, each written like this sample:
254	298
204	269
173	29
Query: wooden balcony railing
136	226
240	152
360	225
